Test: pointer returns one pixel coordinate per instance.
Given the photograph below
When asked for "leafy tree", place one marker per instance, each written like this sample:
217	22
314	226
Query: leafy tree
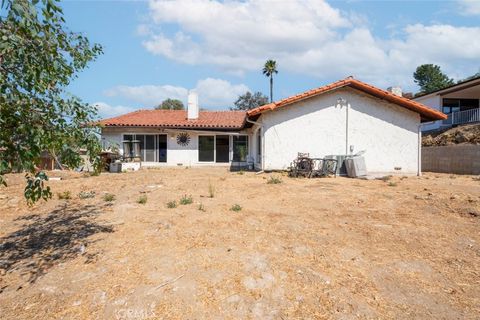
249	101
430	78
269	69
39	57
171	104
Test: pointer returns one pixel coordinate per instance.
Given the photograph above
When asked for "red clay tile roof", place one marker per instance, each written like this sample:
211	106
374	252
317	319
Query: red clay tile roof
425	112
178	119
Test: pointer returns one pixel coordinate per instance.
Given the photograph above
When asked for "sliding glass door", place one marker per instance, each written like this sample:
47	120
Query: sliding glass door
162	148
222	148
206	148
149	148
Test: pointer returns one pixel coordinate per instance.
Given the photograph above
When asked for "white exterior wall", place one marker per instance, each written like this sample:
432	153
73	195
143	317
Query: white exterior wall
176	154
434	102
388	133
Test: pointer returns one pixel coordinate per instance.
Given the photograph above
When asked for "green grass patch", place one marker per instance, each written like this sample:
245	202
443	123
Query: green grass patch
184	200
66	195
86	194
108	197
211	190
142	200
274	180
386	178
236	208
172	204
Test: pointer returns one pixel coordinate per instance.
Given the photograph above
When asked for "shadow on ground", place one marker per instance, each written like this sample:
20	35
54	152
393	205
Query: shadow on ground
51	238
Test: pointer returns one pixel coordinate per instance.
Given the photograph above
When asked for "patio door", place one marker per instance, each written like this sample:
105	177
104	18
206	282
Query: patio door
206	148
222	148
149	148
162	147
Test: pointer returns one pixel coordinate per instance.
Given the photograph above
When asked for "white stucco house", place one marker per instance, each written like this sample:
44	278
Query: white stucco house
461	103
344	117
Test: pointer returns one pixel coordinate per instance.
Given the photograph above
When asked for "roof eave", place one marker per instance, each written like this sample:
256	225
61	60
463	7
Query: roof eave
426	113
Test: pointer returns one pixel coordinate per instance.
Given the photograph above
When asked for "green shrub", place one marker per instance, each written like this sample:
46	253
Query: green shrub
274	180
172	204
86	194
108	197
142	199
186	200
236	208
392	184
241	172
66	195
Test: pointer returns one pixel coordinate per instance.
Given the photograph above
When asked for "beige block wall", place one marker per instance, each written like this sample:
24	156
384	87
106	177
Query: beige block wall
460	159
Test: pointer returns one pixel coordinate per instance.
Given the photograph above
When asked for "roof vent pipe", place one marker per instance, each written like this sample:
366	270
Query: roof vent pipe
192	106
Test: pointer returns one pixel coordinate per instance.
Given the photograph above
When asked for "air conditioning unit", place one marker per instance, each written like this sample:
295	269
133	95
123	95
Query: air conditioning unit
356	167
341	169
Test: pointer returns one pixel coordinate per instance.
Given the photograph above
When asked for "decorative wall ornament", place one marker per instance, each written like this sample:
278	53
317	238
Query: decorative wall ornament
183	139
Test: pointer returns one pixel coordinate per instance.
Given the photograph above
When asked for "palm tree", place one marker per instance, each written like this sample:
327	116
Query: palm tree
269	69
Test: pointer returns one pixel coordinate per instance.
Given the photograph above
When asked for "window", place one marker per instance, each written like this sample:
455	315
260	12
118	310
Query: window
240	148
206	148
222	144
152	147
454	105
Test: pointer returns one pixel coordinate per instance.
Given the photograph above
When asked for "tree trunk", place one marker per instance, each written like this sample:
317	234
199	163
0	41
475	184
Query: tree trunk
271	88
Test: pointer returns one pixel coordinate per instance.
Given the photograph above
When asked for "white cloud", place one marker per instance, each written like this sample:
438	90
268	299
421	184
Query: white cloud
307	37
106	111
218	93
147	95
470	7
212	93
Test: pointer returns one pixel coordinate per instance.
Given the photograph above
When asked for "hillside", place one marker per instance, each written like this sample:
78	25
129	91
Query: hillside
466	134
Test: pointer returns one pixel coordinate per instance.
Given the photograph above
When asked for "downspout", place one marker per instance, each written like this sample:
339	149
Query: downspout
260	126
419	156
346	132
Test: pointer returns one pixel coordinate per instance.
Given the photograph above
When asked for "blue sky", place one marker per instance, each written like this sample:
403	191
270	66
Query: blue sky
154	50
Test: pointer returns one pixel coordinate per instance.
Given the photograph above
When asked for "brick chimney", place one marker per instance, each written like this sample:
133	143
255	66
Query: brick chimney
395	90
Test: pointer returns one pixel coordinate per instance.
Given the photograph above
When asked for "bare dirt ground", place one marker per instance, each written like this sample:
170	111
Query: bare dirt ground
332	248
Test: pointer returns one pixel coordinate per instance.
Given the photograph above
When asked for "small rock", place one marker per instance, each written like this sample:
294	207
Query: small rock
473	212
82	249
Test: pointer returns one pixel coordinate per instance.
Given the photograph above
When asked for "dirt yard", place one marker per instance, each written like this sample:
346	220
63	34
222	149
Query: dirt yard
332	248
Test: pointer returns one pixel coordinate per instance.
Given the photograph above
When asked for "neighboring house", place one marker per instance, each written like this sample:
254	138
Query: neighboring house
461	102
344	117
